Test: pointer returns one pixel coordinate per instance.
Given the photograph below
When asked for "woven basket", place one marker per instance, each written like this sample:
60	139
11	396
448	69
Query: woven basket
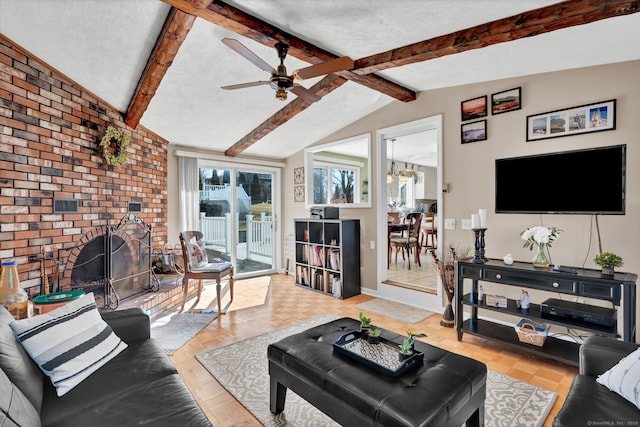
533	333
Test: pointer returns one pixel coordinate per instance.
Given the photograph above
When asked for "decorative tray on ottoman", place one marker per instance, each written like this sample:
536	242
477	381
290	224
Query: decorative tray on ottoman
384	357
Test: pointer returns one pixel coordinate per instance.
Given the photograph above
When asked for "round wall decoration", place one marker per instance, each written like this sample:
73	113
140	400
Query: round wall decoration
114	147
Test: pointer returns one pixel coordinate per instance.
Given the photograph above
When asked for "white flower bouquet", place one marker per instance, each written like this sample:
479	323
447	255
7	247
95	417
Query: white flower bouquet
540	235
540	238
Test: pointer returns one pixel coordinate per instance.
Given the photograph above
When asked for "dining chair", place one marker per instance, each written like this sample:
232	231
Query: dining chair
429	232
409	239
198	267
395	217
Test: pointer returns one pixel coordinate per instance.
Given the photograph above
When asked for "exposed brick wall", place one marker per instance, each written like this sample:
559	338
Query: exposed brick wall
50	129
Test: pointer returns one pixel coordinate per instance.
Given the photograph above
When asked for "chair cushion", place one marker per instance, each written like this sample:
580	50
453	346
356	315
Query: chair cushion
403	240
70	342
16	363
213	267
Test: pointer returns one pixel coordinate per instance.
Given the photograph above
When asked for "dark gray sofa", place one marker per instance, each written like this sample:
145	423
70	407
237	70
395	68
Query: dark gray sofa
140	386
589	403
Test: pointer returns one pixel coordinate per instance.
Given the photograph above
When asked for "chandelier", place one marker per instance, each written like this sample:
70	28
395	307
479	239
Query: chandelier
393	169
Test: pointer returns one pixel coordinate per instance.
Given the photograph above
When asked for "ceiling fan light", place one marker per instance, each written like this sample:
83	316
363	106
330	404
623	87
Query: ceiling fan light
281	94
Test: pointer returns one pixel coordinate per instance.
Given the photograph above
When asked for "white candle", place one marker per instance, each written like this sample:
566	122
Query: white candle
475	221
483	218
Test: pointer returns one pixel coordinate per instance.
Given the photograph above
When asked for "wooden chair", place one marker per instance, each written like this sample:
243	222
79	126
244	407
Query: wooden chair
409	239
191	241
429	232
394	216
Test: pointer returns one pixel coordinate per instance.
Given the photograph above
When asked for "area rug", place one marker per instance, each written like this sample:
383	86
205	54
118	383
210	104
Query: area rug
396	310
242	369
175	329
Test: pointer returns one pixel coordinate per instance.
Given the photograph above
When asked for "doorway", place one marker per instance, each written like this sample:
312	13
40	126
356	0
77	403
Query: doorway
411	158
237	216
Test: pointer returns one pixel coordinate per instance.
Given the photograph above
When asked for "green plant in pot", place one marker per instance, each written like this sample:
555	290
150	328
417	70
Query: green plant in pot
608	261
373	335
406	348
365	323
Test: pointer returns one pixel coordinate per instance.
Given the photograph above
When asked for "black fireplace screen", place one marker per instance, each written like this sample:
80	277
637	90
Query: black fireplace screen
113	262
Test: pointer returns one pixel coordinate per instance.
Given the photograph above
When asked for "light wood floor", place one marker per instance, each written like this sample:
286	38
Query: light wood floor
254	312
420	277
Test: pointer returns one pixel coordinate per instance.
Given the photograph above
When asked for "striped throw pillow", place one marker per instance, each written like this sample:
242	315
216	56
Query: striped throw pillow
69	343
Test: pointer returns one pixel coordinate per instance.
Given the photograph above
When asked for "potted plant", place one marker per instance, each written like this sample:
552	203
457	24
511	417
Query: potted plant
373	335
406	348
608	261
365	323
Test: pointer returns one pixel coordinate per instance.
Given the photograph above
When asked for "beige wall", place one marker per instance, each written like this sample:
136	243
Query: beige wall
468	168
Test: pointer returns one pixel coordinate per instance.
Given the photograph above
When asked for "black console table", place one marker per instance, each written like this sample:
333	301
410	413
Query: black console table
619	289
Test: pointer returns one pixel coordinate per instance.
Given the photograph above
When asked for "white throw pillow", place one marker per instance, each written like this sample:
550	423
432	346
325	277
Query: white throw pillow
197	254
69	343
624	378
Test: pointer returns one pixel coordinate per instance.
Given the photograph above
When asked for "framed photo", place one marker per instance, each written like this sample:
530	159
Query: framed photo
474	132
298	175
474	108
298	193
505	101
595	117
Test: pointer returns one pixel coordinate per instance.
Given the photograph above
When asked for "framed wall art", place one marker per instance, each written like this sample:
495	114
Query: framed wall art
298	193
298	175
596	117
505	101
474	131
474	108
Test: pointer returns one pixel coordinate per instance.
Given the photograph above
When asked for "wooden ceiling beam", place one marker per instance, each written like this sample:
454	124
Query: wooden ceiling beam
322	88
532	23
562	15
174	31
233	19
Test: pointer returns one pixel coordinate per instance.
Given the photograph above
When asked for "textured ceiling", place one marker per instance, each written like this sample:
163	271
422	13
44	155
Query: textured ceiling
104	45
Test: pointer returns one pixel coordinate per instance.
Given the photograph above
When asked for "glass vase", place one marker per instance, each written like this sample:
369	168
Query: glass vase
540	260
12	296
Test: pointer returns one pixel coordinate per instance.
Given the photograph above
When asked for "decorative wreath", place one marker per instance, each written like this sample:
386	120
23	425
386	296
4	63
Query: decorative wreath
114	147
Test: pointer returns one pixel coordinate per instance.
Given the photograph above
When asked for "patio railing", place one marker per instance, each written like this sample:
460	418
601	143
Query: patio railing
258	237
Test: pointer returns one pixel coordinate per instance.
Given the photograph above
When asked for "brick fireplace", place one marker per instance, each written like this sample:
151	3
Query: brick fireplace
50	128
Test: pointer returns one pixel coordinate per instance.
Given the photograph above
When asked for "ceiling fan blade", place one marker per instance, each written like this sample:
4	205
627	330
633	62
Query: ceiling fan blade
243	85
304	93
244	51
328	67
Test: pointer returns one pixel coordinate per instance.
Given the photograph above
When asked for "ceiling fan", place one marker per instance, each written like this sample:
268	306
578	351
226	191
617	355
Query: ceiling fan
280	81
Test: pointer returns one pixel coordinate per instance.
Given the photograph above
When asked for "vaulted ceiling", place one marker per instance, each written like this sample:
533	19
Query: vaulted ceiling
162	63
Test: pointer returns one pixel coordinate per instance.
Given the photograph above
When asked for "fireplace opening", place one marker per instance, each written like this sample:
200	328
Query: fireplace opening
113	262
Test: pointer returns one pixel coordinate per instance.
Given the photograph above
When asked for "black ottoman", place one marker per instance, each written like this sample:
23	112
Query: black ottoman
448	390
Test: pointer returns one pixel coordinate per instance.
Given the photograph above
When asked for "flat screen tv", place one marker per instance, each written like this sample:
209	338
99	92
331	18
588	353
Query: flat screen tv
588	181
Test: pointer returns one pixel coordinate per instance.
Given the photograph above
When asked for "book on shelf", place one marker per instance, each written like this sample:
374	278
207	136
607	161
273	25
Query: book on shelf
496	301
318	282
334	259
302	275
325	282
336	284
303	255
317	253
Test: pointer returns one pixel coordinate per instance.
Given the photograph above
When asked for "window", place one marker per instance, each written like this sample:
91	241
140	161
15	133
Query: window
341	188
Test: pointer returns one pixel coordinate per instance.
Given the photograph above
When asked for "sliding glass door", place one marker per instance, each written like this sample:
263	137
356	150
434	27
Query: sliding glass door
236	216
